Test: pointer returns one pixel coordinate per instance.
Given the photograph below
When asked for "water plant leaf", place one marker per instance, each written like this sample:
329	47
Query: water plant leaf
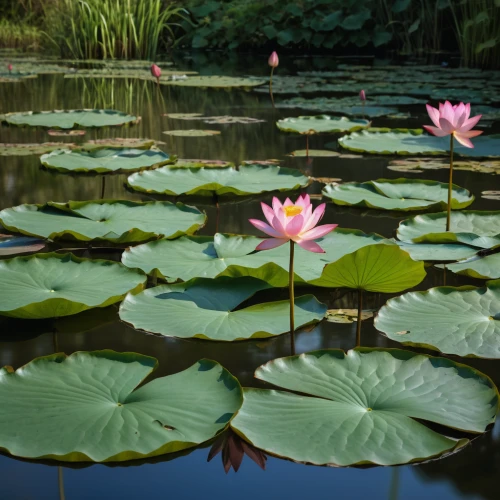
463	321
484	265
71	118
373	268
360	407
321	124
104	160
398	194
54	285
314	153
418	165
249	179
347	315
223	82
116	221
66	133
438	252
205	308
197	163
85	401
13	245
191	133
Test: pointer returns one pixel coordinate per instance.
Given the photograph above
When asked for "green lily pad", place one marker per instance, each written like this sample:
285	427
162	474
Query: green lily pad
15	76
191	133
314	153
191	257
414	142
471	227
105	160
398	194
133	73
483	265
87	408
463	321
14	245
223	82
249	179
321	124
205	308
477	96
418	165
437	252
184	116
373	268
54	285
197	163
223	120
116	221
65	133
360	407
71	119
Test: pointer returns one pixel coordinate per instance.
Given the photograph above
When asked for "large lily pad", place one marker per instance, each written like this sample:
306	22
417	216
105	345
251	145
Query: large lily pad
223	82
463	321
437	252
190	257
373	268
191	132
104	160
205	308
54	285
249	179
87	407
103	220
360	407
71	118
484	265
398	194
321	124
471	227
414	142
418	165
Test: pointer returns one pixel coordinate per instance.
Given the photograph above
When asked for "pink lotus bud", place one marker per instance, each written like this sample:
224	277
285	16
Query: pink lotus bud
273	60
362	95
155	71
9	67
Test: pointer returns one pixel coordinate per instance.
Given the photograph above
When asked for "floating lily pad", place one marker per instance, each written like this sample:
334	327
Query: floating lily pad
71	119
225	119
490	195
314	153
223	82
133	73
463	321
190	257
116	221
66	133
54	285
437	252
14	245
191	133
320	124
476	96
471	227
15	76
197	163
183	116
105	160
249	179
483	265
360	407
205	308
347	315
398	194
418	165
87	408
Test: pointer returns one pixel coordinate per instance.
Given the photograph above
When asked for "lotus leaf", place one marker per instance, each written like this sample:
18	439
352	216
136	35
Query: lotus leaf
71	118
471	227
361	407
12	245
223	82
65	133
437	252
320	124
104	220
191	133
135	73
214	119
418	165
105	160
54	285
205	308
196	163
398	194
463	321
484	265
314	153
88	407
249	179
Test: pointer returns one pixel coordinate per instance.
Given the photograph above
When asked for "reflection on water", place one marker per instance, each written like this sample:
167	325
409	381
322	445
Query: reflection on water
469	474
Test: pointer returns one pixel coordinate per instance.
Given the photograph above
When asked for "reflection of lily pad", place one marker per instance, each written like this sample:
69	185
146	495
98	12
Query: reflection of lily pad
104	220
54	285
360	407
87	407
398	194
484	265
320	124
223	82
191	133
463	321
205	309
249	179
103	160
14	245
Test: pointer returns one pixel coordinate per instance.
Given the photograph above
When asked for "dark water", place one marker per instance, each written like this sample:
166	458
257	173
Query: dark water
469	474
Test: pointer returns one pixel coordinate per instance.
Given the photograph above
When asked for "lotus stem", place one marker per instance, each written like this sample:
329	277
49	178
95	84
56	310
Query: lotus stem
103	186
271	87
307	146
363	105
450	185
217	213
55	341
394	488
358	324
292	298
60	481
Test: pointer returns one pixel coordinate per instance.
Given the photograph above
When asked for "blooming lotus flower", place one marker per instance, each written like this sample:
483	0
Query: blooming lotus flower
293	221
362	95
273	60
155	71
453	120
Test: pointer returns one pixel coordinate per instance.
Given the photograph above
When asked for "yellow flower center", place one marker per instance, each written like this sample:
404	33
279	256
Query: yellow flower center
292	210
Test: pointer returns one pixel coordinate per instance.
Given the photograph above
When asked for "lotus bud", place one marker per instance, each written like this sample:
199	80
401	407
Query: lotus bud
155	71
273	60
362	95
9	67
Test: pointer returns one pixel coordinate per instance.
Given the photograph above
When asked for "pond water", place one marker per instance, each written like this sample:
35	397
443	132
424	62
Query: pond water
471	473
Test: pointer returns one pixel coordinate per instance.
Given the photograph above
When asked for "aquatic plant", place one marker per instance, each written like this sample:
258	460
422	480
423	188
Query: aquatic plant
273	61
156	72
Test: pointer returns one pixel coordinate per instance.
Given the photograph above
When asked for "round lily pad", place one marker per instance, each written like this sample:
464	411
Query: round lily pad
463	321
205	308
66	133
484	265
197	163
223	82
437	252
87	407
71	118
320	124
471	227
103	220
398	194
249	179
105	160
191	133
361	407
314	153
54	285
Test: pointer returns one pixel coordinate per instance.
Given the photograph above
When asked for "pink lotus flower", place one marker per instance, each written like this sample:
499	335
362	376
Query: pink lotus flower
9	67
273	60
362	95
155	71
453	120
296	222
